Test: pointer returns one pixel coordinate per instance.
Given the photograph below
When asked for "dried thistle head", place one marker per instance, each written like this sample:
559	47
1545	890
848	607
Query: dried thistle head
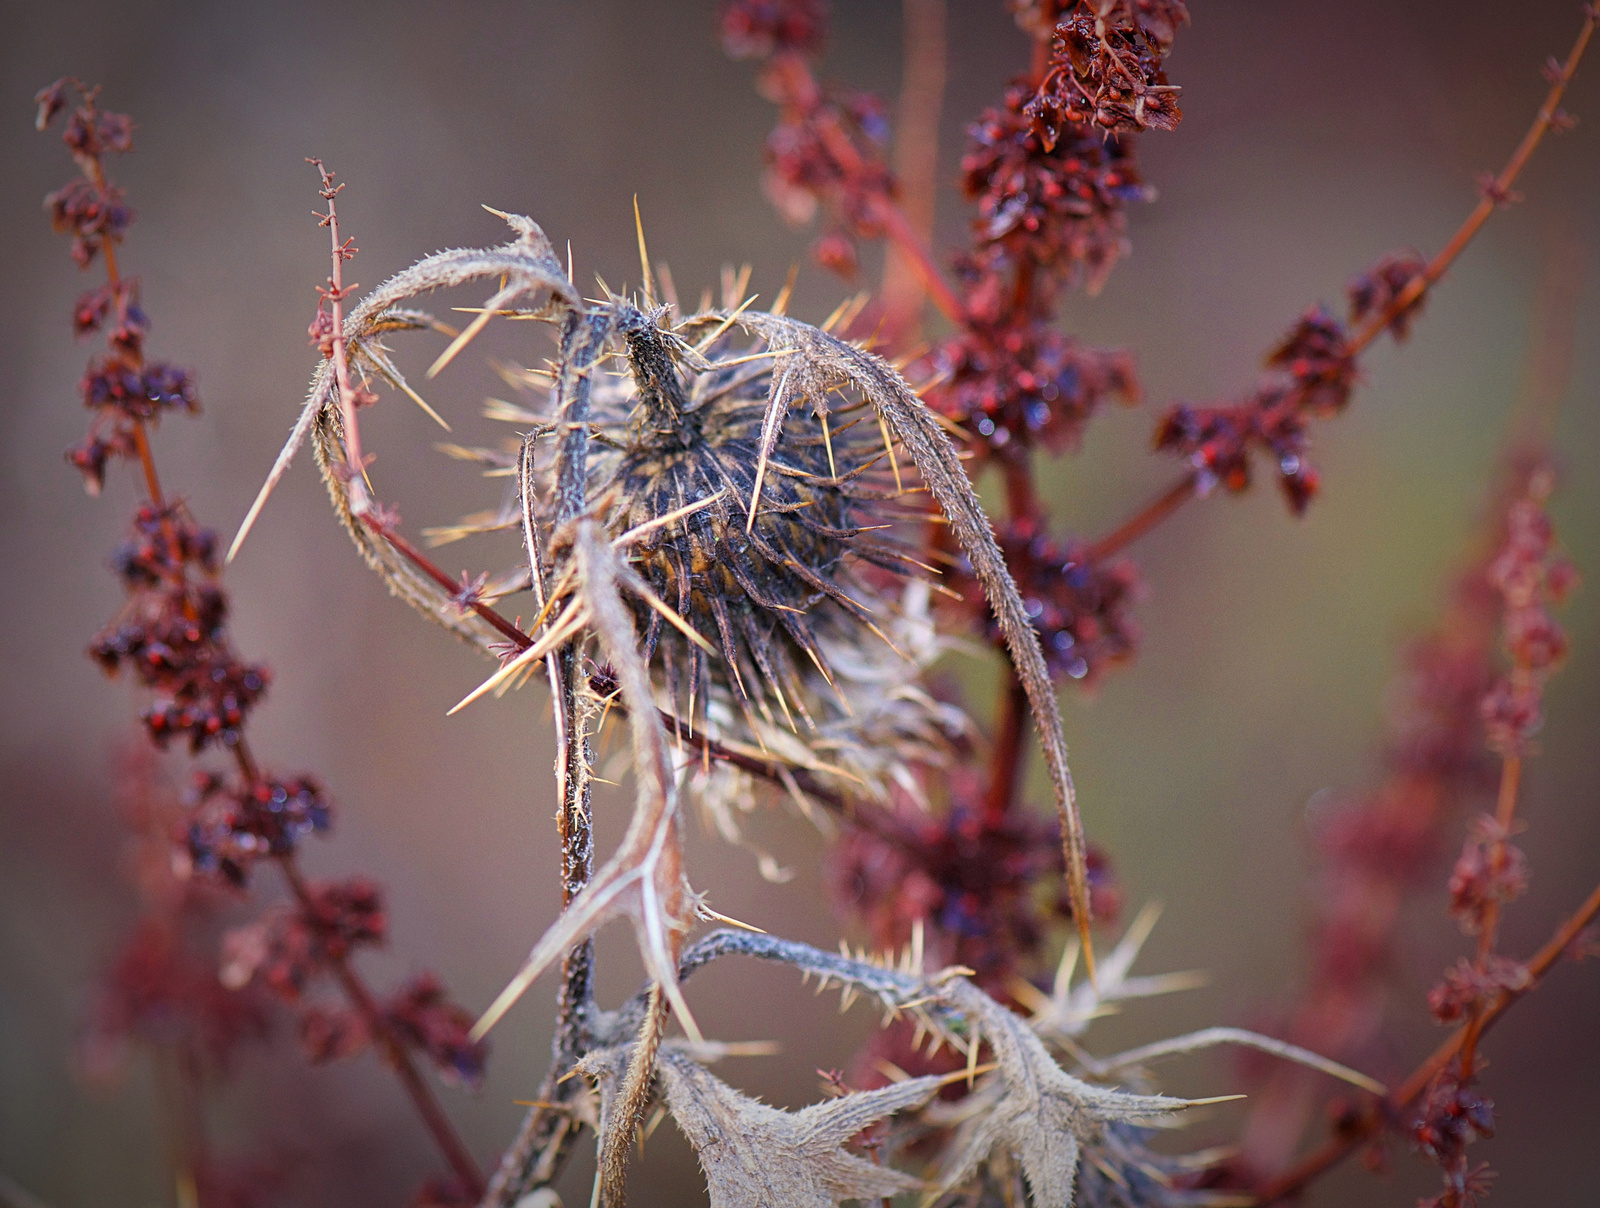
707	532
794	630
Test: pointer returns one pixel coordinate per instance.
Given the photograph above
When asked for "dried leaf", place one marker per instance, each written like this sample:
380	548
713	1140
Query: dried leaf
1031	1109
755	1156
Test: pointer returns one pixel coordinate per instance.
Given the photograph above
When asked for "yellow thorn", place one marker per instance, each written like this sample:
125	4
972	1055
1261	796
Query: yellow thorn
722	918
644	256
460	342
781	306
894	463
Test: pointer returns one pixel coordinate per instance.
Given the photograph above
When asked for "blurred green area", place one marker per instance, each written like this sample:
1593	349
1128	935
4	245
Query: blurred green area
1315	138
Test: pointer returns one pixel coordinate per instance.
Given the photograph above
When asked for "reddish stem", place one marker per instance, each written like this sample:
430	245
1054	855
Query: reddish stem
1493	196
335	294
1009	747
1145	519
361	998
428	567
1336	1148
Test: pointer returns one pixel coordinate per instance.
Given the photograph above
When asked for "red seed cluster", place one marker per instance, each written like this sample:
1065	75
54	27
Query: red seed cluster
421	1014
1012	388
1531	579
170	634
1377	289
1055	208
1470	987
1081	608
232	826
1106	69
120	387
975	876
1310	375
759	29
1454	1115
291	947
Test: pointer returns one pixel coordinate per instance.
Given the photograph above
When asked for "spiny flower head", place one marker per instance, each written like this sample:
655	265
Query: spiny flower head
784	604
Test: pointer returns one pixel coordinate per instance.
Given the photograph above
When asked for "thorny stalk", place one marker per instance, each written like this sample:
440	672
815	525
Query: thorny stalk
334	294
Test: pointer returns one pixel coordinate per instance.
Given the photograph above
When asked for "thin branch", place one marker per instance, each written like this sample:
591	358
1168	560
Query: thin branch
335	294
1495	195
916	157
1145	519
1352	1135
361	998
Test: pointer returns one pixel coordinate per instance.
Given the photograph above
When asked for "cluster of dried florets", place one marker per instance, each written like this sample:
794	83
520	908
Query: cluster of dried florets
1012	388
171	637
1106	69
1080	607
1527	578
828	148
1052	206
120	387
1312	372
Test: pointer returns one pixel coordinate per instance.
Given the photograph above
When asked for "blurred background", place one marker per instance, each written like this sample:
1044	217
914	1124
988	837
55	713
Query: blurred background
1315	138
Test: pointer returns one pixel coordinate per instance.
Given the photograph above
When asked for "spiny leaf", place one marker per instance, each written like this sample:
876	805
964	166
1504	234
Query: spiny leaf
1030	1109
755	1156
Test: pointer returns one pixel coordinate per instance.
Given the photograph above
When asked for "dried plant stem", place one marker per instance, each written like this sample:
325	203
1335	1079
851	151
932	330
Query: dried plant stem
916	158
1497	193
1350	1136
432	569
361	998
147	463
336	294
